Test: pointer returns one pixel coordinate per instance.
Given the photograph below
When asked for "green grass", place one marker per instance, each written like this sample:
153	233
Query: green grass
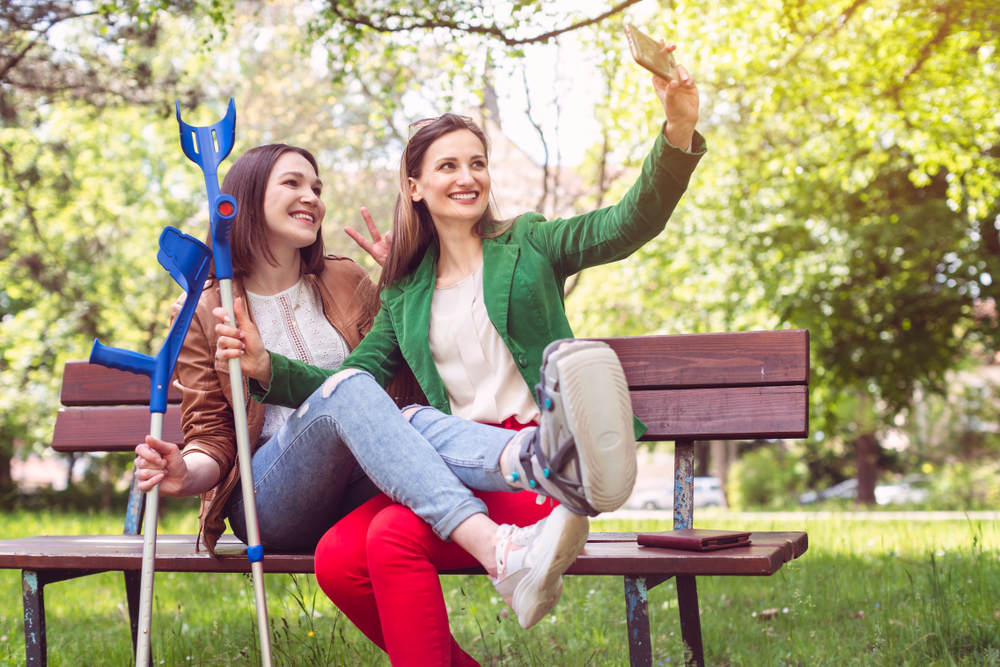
866	593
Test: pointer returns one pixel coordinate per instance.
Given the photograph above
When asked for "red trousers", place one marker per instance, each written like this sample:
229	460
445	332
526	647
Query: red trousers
380	563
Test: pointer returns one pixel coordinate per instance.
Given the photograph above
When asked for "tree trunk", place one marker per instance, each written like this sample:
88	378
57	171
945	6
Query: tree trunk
6	480
702	459
107	484
723	453
866	450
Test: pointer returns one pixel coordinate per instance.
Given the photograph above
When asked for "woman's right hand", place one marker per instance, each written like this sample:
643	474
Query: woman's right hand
160	462
380	244
680	101
242	342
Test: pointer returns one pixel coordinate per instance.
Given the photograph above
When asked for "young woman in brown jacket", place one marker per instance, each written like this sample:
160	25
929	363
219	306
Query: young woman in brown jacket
313	306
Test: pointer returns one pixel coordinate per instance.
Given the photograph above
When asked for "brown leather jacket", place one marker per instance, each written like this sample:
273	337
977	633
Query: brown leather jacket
349	300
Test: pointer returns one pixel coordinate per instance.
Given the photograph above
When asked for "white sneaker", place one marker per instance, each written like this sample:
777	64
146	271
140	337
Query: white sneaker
531	560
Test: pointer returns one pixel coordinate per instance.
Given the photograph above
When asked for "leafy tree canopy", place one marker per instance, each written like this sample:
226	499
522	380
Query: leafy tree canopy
851	185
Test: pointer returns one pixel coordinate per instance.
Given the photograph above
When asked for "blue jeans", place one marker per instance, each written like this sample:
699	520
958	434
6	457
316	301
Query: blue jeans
317	467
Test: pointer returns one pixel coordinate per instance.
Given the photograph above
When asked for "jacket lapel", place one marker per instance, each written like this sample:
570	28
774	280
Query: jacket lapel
499	260
410	309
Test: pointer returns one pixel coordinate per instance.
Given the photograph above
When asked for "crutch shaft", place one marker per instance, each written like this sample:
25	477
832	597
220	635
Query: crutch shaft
246	483
142	651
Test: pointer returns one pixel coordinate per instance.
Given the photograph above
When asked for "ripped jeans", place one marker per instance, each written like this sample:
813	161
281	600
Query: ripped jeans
317	467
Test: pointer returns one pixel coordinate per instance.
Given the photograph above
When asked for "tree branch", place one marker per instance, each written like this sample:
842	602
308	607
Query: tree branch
836	25
540	206
13	60
408	22
950	17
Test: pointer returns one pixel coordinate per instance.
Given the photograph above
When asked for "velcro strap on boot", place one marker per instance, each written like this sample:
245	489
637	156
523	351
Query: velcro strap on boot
572	491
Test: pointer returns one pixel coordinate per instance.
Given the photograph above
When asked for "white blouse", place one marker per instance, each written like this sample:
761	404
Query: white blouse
479	373
292	323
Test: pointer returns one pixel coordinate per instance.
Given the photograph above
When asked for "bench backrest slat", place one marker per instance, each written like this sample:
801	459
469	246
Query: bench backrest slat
753	358
110	429
730	413
90	384
690	386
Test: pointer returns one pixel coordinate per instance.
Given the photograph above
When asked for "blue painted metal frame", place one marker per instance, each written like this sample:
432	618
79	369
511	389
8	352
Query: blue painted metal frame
637	588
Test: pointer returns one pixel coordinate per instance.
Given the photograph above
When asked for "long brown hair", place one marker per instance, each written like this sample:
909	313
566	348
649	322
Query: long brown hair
246	181
412	226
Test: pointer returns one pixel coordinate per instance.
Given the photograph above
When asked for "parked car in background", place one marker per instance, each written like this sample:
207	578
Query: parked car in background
909	489
651	499
846	489
708	492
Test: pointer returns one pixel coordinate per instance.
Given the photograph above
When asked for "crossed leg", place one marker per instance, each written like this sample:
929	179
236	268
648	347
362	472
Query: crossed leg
380	564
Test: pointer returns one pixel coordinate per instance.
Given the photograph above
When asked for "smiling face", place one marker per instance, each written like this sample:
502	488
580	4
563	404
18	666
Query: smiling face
454	180
293	209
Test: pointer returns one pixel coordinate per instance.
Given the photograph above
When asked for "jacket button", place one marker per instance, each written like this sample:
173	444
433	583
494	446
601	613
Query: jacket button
522	360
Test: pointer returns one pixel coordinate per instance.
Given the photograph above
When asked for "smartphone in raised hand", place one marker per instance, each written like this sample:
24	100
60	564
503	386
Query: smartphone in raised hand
649	53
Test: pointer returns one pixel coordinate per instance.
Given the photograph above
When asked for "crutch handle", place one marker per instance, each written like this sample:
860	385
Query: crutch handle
123	360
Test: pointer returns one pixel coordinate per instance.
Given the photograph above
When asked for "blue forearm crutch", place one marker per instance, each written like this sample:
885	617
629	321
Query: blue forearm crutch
208	147
188	261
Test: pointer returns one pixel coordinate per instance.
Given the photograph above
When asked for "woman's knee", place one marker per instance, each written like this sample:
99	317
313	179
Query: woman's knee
331	382
396	531
340	563
341	558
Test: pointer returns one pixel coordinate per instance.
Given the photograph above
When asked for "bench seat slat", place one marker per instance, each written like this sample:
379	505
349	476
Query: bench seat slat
175	553
110	429
715	360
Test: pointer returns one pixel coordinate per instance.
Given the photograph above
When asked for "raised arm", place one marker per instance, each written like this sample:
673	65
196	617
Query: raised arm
680	101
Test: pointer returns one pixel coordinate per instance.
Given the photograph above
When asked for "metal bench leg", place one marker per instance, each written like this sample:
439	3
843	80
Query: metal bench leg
687	603
34	618
640	650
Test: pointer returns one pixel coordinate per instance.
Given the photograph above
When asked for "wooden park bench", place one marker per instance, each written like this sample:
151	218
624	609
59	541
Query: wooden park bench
686	388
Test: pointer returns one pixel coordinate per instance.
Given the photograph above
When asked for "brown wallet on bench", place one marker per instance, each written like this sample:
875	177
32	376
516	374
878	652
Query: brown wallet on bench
695	539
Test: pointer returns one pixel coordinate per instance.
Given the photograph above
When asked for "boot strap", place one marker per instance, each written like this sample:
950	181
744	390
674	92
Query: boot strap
566	454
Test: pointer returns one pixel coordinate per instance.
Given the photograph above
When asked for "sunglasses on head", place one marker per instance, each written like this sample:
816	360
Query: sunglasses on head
417	125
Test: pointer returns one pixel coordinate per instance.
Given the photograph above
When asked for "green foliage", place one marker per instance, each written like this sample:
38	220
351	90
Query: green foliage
847	160
966	486
766	477
79	239
850	186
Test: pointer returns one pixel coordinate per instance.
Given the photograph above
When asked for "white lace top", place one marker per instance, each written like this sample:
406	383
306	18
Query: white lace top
478	370
292	323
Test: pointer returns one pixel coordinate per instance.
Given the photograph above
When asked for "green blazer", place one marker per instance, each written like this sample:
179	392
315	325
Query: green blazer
524	272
